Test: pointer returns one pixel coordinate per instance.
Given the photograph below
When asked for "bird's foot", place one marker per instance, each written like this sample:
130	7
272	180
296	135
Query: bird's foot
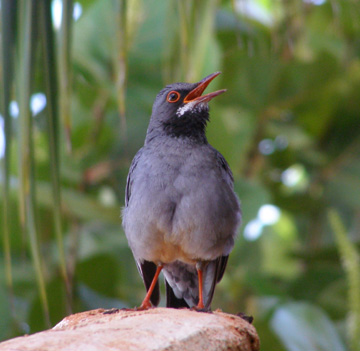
200	309
245	317
146	305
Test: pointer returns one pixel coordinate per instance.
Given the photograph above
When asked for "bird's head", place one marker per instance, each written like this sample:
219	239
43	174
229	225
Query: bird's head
180	109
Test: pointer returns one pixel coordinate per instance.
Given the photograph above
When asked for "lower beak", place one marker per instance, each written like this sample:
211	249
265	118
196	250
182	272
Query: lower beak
195	94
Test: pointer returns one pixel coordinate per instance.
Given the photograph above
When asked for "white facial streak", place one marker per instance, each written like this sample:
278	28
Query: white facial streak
192	105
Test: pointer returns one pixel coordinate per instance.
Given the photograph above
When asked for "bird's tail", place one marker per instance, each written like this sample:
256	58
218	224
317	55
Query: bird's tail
182	289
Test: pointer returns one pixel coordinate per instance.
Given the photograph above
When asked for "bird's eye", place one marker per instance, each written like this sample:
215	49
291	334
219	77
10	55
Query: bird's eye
173	96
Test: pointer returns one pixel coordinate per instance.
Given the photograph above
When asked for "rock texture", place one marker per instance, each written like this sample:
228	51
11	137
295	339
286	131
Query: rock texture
154	329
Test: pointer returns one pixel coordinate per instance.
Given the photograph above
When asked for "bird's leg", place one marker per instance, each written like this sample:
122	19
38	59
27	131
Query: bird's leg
146	304
199	268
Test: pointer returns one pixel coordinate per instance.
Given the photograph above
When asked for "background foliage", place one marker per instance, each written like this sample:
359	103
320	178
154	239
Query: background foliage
77	92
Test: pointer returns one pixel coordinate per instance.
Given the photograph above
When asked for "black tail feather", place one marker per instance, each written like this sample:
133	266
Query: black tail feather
172	300
147	270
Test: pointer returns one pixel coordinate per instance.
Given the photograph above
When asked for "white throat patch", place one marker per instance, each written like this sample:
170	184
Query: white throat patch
192	105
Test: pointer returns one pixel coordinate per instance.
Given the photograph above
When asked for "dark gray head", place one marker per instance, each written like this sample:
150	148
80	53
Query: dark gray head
180	110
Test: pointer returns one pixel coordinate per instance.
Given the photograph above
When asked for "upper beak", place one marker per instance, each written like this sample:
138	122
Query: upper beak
195	94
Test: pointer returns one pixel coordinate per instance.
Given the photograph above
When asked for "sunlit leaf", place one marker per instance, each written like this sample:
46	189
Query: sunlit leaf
302	326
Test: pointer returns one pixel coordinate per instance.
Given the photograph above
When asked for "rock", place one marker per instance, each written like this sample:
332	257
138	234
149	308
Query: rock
154	329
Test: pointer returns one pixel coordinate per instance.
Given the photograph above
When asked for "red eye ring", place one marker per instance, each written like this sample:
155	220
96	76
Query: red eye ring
173	96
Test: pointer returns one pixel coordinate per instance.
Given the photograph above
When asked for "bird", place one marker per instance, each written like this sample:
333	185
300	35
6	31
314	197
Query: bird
181	213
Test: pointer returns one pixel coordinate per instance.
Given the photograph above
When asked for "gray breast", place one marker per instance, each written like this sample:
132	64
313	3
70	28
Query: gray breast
181	197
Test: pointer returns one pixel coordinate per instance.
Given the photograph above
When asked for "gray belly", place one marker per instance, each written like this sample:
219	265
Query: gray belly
169	224
182	207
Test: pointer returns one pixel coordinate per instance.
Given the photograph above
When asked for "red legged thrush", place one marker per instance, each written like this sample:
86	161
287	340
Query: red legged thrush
181	213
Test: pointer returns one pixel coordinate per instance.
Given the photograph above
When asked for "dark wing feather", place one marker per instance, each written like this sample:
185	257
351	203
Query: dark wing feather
129	180
172	300
224	166
220	265
147	271
220	262
221	268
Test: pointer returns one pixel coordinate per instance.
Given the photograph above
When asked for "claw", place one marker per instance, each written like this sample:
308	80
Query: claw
144	306
197	309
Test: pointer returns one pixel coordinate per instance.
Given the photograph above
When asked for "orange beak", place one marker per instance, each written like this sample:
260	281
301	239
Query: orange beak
195	94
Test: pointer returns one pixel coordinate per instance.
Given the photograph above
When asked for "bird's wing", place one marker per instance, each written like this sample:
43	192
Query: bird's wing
222	265
217	267
226	171
214	272
147	271
182	283
129	177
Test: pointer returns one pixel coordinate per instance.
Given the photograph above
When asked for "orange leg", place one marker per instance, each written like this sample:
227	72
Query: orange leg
200	305
146	304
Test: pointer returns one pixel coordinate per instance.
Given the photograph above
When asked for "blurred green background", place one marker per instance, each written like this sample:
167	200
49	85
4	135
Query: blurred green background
78	79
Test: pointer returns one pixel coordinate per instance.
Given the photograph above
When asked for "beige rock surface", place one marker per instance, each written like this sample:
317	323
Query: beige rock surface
154	329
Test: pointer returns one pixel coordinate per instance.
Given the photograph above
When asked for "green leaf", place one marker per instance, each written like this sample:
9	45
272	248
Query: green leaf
100	273
8	30
303	327
93	299
27	199
351	262
252	196
48	40
65	39
5	321
78	204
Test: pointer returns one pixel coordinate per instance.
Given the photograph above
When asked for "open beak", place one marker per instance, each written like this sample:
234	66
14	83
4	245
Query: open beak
195	94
